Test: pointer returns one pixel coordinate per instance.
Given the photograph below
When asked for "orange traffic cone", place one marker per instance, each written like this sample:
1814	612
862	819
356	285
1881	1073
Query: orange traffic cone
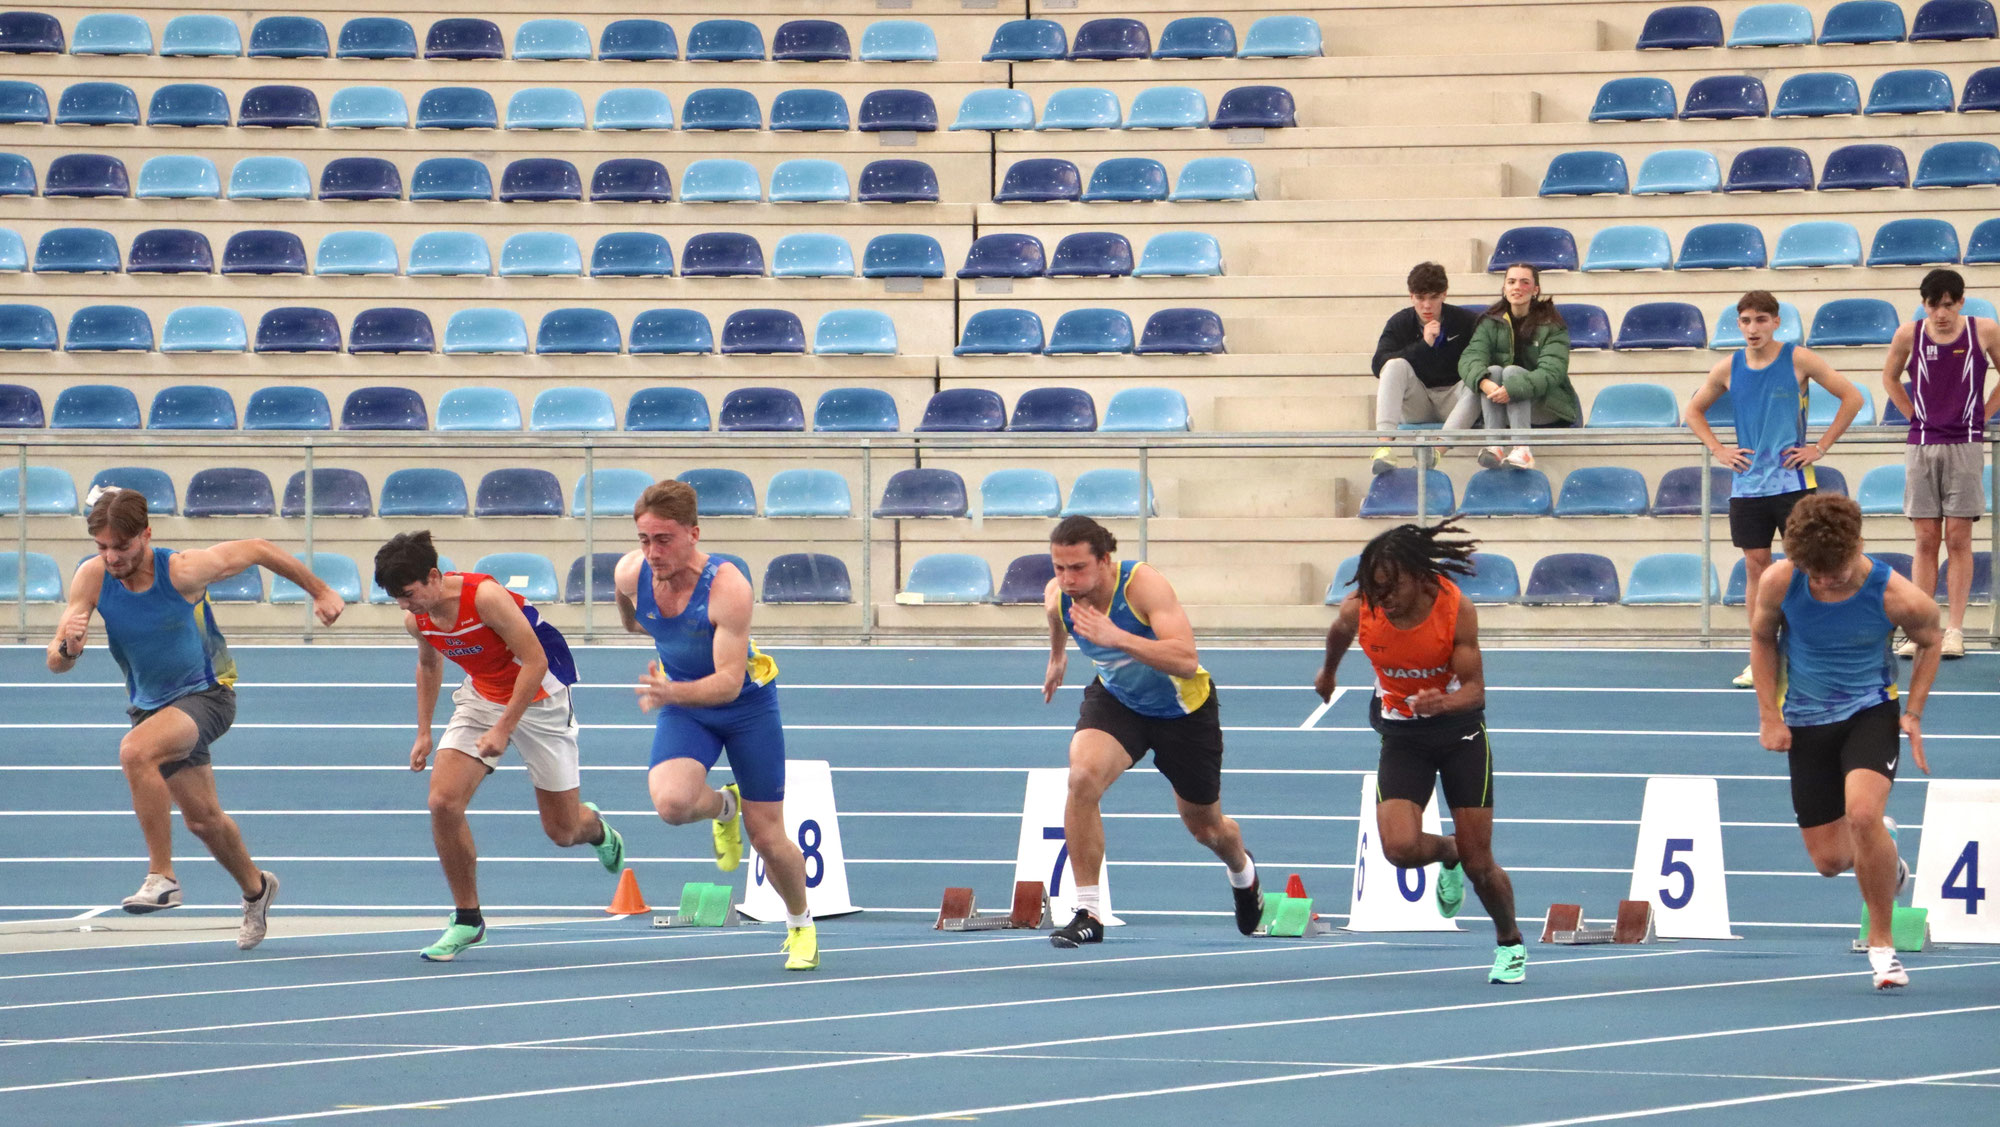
1296	887
627	901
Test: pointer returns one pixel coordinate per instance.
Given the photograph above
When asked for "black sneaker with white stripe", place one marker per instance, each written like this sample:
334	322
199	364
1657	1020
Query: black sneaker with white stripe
1249	904
1082	928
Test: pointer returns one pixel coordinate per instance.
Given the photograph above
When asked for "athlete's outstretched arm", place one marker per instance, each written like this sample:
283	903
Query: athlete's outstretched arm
73	632
194	570
1713	388
430	678
729	613
497	609
1339	636
1171	650
1815	368
1772	731
1466	665
1917	613
625	584
1058	642
1900	346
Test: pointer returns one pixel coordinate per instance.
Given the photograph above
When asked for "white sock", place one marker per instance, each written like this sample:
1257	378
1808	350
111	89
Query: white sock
728	806
1090	899
1247	877
804	919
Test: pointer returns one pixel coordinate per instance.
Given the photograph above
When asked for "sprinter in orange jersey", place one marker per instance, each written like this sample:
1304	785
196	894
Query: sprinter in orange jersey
1422	636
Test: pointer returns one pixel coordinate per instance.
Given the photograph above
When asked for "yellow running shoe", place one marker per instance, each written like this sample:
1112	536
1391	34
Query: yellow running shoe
802	948
729	835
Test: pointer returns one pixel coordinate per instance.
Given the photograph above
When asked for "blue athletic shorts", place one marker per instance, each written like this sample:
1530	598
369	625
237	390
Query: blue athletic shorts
748	728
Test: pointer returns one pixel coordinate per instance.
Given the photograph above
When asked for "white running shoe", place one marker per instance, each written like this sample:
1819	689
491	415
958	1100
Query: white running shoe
1521	458
257	914
1745	679
155	893
1908	649
1889	972
1491	457
1954	643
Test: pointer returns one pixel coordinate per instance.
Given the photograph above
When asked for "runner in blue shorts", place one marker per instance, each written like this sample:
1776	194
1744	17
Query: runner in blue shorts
715	692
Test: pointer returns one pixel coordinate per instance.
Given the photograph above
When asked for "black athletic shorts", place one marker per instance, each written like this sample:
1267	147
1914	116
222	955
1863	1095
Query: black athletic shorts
1756	521
1186	749
1414	760
1823	754
212	709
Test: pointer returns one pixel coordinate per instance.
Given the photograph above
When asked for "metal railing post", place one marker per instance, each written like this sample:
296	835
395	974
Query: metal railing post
1423	461
1145	496
589	534
307	478
21	560
1707	545
867	538
1992	523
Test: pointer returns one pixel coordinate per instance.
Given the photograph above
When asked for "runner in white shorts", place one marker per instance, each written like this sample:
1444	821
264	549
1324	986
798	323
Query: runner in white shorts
516	693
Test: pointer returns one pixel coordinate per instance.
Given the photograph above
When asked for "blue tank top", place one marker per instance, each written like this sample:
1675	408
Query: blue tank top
686	642
167	646
1836	657
1770	419
1136	685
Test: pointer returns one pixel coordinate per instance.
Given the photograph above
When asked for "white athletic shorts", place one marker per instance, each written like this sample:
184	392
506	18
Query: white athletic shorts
545	737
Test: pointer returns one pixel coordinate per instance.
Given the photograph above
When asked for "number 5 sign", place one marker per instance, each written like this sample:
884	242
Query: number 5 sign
1961	828
1678	866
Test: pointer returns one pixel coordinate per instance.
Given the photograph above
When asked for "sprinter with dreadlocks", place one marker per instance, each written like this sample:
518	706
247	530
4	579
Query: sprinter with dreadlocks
1422	635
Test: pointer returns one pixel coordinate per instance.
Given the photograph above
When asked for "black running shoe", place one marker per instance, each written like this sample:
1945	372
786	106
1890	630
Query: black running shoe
1082	928
1249	904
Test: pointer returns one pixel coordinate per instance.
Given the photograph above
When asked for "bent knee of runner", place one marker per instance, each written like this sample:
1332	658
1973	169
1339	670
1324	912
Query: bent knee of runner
1404	853
679	809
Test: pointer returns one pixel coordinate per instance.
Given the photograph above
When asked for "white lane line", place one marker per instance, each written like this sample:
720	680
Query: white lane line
1859	1086
1324	707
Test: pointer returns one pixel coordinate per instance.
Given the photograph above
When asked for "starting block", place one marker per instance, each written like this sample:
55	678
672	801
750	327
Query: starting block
703	905
1909	930
1291	915
1029	910
1564	924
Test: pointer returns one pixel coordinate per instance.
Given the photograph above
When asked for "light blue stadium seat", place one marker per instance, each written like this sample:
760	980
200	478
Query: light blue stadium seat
445	253
964	409
1081	107
109	328
1864	168
1507	492
161	500
1818	94
1853	322
1722	246
545	107
856	409
1634	405
1000	332
806	577
1680	28
1661	324
809	111
367	107
721	492
478	408
204	328
77	250
613	492
356	252
51	492
1863	21
1572	578
1180	254
483	330
14	253
948	577
1822	405
1670	579
41	583
666	408
451	178
1948	21
671	331
631	254
1168	107
721	109
1910	92
527	574
1146	409
518	492
1973	307
188	105
1629	248
457	107
270	178
761	409
1127	180
1637	98
1108	493
1215	178
1959	164
1282	37
376	37
191	407
1914	242
573	408
1394	494
550	40
899	41
1772	25
995	110
725	41
1881	492
425	491
1020	493
541	254
1678	172
721	180
199	35
1545	248
110	33
176	176
577	331
810	181
1589	325
637	40
1817	243
812	255
721	254
1026	41
1091	332
229	491
634	107
806	493
1728	334
854	332
1587	173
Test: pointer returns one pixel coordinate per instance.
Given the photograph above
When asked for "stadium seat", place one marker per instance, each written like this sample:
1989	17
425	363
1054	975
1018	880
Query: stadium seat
376	37
204	328
335	570
191	407
447	253
1723	246
1108	493
1723	97
1773	168
1952	20
1679	493
478	408
1255	107
298	329
948	577
1822	405
1817	243
384	408
1146	409
457	107
264	252
39	582
633	107
1127	180
1204	37
1054	409
1973	307
1027	41
1493	580
188	104
354	252
97	103
485	331
1637	98
1670	579
527	574
721	109
180	177
1771	25
1004	256
1215	178
897	111
631	254
1040	180
903	256
199	35
161	499
269	178
51	492
336	493
540	180
14	253
1634	405
1863	21
95	407
246	586
761	409
1982	578
1109	39
1959	164
898	181
1572	578
974	409
1026	580
1864	168
1914	242
25	103
1507	492
1180	254
666	409
288	37
1629	248
1589	325
575	331
1910	92
725	41
995	110
1678	172
519	492
111	33
1982	92
464	38
1181	331
1545	248
1394	494
1728	334
805	493
1852	322
1081	107
229	492
637	40
573	408
923	493
545	107
721	180
21	407
1000	332
610	492
812	255
76	250
541	254
809	111
1661	324
602	582
1818	94
855	409
1984	244
806	577
27	328
1280	37
1680	28
451	178
551	40
86	176
1080	332
1588	173
899	41
721	254
109	328
721	492
1168	107
1091	254
1899	562
810	181
671	331
30	33
278	107
854	332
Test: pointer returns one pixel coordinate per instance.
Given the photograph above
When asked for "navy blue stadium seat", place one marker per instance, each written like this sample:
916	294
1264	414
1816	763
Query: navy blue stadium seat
424	492
191	407
336	493
1910	92
97	103
923	492
1127	180
1662	324
30	33
1722	97
161	500
603	586
721	254
1723	246
964	409
464	38
1027	578
1545	248
1679	494
1054	409
667	409
578	330
391	329
264	252
1092	254
1636	98
109	328
806	577
1982	92
76	250
897	181
1589	325
763	332
725	41
1863	21
811	41
1952	20
856	409
377	37
671	331
1040	180
1569	578
384	408
810	111
297	329
1106	39
1586	173
631	254
1680	28
83	175
1913	241
360	178
1004	255
288	37
637	40
631	180
188	104
21	407
1181	331
518	492
761	409
540	179
1255	107
95	407
1771	168
229	491
1602	491
1959	164
907	111
1818	94
287	408
1863	168
721	492
451	178
278	107
1196	37
27	328
1024	41
1394	494
722	109
457	107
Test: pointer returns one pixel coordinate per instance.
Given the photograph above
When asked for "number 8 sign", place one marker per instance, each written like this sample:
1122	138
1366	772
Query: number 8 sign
810	820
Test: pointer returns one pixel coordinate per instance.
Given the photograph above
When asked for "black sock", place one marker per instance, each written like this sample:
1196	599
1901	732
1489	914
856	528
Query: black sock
468	917
263	886
602	833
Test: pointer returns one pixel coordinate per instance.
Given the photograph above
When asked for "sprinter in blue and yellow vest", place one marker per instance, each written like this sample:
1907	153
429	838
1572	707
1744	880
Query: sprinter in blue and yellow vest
1150	693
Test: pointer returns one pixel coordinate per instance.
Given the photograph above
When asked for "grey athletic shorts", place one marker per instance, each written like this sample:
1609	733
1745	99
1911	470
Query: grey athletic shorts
212	709
1942	480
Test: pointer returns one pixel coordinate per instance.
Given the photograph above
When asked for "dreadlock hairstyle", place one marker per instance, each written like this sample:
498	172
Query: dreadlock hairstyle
1409	549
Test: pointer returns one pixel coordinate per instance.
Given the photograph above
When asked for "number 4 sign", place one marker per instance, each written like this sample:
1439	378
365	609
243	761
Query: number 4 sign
1961	822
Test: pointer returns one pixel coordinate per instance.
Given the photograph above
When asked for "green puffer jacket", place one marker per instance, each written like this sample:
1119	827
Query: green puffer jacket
1546	359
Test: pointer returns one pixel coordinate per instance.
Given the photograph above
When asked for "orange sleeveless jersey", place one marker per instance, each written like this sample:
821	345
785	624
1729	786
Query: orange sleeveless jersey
1408	661
477	649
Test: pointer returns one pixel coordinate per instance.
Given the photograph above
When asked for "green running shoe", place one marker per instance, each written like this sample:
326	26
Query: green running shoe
457	937
1451	890
1510	965
610	851
729	836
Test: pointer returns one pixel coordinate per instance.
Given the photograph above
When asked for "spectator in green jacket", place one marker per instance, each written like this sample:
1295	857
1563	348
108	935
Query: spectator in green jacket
1518	362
